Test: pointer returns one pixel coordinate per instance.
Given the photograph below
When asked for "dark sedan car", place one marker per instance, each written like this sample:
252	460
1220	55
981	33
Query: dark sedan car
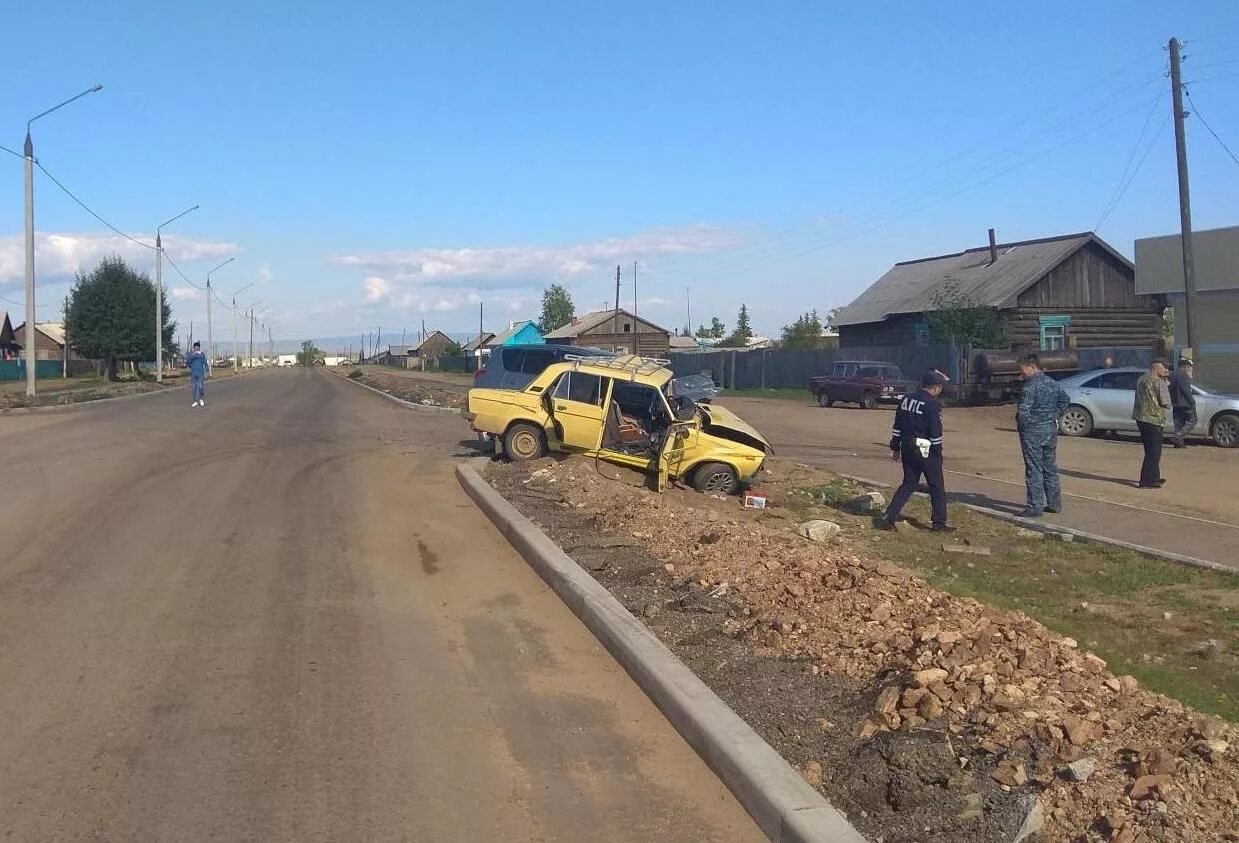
515	366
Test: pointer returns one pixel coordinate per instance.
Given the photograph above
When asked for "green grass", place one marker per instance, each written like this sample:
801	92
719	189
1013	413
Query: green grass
1112	600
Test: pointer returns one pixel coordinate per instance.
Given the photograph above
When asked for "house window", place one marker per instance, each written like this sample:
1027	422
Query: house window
1054	332
627	328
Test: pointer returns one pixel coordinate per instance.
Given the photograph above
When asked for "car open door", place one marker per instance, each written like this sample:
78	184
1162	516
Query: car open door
575	405
671	450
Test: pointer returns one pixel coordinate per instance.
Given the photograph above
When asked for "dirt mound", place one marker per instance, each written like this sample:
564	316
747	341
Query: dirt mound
1096	756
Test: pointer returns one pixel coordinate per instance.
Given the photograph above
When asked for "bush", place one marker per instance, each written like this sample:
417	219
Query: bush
355	374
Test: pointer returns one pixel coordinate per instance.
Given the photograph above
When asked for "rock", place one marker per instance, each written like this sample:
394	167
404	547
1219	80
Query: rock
929	676
1114	684
888	700
1081	732
1034	820
652	610
1158	762
977	550
1094	661
1080	769
1025	533
1205	649
1129	683
930	707
1144	786
819	530
1009	773
1067	537
868	503
880	613
1211	750
811	772
912	697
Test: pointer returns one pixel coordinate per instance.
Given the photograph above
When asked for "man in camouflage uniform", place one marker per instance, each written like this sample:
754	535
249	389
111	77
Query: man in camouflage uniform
1042	403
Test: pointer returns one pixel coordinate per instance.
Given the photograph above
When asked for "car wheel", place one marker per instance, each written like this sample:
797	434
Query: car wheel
524	442
716	477
1077	421
823	399
869	400
1225	431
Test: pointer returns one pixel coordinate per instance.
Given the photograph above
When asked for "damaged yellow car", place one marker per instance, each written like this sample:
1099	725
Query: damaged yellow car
625	410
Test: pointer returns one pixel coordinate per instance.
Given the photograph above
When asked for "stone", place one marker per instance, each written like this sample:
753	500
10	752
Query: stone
819	530
868	503
929	676
912	697
1025	533
1205	649
1129	683
1114	684
1211	750
975	549
652	610
1034	820
880	613
888	700
1144	786
971	807
811	772
1158	762
1009	773
1081	732
947	637
930	707
1067	537
1080	769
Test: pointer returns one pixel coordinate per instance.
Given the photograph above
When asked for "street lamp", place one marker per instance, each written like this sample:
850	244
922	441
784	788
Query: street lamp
159	291
236	352
253	320
29	156
210	336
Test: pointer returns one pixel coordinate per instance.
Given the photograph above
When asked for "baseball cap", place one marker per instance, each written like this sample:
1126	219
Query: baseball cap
932	378
1161	360
1186	361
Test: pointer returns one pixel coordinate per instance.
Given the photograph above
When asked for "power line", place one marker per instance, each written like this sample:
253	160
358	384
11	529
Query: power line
11	152
184	277
1118	187
87	208
1123	192
1205	123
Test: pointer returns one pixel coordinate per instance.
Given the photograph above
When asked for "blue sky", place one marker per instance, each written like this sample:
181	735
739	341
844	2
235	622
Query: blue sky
381	164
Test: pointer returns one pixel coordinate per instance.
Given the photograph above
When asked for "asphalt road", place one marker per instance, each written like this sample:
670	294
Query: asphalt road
278	618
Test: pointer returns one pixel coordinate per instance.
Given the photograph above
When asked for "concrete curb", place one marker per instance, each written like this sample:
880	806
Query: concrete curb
94	402
784	806
1055	529
408	405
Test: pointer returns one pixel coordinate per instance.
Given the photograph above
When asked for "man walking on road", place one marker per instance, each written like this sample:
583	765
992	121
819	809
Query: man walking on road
199	367
1182	401
917	440
1042	403
1150	410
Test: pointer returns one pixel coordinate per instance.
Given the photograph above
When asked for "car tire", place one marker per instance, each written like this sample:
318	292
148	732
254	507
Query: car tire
715	477
868	400
824	399
1225	430
524	442
1076	421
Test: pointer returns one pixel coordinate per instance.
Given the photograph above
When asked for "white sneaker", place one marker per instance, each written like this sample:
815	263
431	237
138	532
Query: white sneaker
193	404
201	402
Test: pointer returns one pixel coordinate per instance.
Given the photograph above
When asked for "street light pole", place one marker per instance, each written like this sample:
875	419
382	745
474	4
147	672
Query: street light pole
159	292
210	336
236	351
28	155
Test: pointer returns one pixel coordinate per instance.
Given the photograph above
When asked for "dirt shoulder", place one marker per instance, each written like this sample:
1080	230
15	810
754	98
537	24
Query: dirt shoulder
921	712
408	388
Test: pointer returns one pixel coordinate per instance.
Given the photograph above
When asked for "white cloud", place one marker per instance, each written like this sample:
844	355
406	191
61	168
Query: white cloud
58	256
504	265
187	294
377	289
265	274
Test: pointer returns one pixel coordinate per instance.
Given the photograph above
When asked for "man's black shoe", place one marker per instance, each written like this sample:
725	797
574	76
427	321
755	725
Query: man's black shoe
1054	510
1160	483
883	523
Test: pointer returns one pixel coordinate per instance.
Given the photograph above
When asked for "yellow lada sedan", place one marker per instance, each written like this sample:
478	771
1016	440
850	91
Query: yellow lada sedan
624	410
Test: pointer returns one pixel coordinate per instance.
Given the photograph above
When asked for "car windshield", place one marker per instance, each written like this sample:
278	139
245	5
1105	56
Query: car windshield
693	387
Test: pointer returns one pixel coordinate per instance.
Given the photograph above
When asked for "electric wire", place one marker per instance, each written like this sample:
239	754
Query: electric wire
1135	150
1205	123
1123	192
87	208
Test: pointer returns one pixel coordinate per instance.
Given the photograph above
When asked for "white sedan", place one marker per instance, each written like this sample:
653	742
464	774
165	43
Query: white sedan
1103	399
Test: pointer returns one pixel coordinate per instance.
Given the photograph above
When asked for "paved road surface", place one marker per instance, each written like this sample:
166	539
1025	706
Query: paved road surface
279	619
1196	514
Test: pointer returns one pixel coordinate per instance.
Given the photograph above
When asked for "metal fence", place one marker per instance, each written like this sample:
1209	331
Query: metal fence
782	368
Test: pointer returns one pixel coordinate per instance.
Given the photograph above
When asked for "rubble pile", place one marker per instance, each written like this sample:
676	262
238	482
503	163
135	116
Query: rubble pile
1109	760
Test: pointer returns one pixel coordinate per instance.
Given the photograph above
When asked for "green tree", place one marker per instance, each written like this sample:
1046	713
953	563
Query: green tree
109	315
557	308
310	354
744	330
1168	324
958	318
716	331
805	332
453	349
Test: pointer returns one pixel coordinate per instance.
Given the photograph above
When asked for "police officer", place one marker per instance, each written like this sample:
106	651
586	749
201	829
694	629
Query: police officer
916	440
1042	404
1182	401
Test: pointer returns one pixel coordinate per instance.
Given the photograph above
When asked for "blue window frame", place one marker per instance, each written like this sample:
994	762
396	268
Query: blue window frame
1054	332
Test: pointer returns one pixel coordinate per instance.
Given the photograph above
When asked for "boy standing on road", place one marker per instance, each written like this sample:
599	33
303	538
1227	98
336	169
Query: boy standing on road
199	366
1042	404
1182	401
916	440
1150	410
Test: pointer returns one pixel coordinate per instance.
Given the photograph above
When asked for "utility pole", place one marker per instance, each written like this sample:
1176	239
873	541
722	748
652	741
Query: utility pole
236	352
210	335
1185	201
615	328
31	365
636	348
250	356
688	304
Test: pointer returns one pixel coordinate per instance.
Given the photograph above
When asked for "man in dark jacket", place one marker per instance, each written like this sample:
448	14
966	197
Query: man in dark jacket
916	440
1042	404
1182	400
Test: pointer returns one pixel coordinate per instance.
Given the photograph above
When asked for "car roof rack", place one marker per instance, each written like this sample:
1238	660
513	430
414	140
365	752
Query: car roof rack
630	364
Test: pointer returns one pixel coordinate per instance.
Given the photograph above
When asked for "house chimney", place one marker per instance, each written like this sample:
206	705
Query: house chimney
993	247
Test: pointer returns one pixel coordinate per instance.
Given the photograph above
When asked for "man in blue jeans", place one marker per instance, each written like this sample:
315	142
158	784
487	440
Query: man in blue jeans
1042	404
199	367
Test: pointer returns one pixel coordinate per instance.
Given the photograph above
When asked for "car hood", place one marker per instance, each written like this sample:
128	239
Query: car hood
723	422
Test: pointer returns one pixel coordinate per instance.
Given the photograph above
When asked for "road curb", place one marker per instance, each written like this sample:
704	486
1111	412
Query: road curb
408	405
784	806
1055	529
